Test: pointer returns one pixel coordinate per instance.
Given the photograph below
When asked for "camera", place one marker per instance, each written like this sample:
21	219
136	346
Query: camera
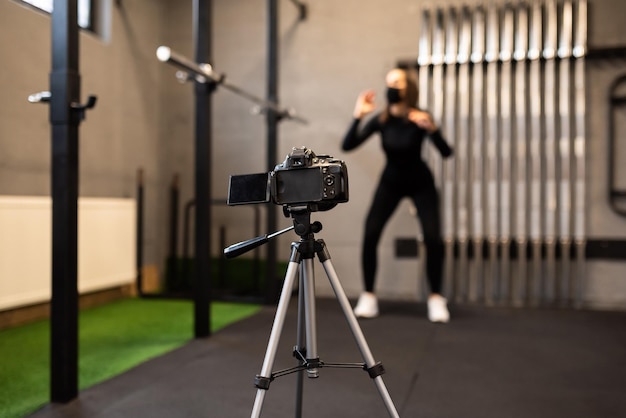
318	181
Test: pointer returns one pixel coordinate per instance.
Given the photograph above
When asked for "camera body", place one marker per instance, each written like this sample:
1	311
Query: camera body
303	178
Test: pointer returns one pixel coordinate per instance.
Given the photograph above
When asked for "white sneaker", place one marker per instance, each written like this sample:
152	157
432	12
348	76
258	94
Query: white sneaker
367	306
438	309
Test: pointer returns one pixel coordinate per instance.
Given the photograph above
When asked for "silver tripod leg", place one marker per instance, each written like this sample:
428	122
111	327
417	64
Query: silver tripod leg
307	328
300	344
357	332
308	281
272	346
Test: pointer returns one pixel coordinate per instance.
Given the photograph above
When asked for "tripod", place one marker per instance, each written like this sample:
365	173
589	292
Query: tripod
301	263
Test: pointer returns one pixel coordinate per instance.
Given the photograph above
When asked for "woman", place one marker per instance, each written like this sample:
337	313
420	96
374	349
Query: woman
402	128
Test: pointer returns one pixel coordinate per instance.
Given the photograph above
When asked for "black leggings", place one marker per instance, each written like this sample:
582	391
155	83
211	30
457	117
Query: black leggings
386	200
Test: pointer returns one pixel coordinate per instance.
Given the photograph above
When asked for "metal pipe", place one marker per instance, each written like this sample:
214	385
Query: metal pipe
549	149
203	73
189	206
579	51
139	219
492	137
476	167
201	21
438	50
424	61
172	254
65	90
272	119
450	129
565	192
423	76
536	174
521	139
504	292
462	153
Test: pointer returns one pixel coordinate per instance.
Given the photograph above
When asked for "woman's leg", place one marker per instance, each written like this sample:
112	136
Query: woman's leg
427	204
384	203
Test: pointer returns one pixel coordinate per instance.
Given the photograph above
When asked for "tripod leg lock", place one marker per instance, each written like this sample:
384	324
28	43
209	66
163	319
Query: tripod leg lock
375	371
262	382
307	363
300	354
314	363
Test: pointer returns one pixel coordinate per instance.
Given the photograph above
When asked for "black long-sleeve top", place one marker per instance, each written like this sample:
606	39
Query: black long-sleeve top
402	143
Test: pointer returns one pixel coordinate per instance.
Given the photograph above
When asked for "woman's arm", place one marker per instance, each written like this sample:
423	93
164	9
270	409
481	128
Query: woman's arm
364	105
426	122
355	136
441	144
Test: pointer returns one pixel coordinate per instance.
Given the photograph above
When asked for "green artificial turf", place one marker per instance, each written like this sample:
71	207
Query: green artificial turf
112	339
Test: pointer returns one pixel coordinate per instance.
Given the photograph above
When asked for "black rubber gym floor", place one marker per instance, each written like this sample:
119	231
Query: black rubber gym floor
487	362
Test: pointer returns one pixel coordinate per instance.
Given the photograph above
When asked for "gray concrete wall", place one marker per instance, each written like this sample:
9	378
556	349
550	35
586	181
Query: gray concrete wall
144	117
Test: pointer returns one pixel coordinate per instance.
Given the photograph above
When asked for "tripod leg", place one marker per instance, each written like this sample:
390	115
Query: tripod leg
264	378
308	280
356	329
307	328
300	346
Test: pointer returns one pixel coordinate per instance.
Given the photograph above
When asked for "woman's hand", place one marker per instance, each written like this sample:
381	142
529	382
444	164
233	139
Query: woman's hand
364	104
423	120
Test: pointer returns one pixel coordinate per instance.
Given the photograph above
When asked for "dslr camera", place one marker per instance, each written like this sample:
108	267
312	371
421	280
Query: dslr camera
319	182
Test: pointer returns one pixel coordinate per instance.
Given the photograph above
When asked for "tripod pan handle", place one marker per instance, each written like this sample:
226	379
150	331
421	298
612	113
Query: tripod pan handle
244	246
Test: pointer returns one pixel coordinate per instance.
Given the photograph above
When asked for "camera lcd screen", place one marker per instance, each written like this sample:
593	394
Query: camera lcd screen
248	188
298	186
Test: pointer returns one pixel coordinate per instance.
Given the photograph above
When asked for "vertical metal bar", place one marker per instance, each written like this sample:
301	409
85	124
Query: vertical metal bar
272	120
437	89
423	56
505	160
476	168
424	61
65	90
536	174
462	152
173	276
221	264
450	125
579	51
189	206
139	219
565	143
521	138
202	240
549	150
491	145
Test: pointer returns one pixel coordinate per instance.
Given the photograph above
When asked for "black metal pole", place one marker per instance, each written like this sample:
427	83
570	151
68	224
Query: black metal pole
175	285
189	206
65	91
139	231
271	295
202	286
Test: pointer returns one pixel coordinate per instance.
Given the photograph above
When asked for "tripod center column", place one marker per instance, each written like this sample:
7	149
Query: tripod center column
307	283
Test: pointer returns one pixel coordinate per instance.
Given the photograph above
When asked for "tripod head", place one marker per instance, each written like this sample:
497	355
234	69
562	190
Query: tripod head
301	216
302	226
